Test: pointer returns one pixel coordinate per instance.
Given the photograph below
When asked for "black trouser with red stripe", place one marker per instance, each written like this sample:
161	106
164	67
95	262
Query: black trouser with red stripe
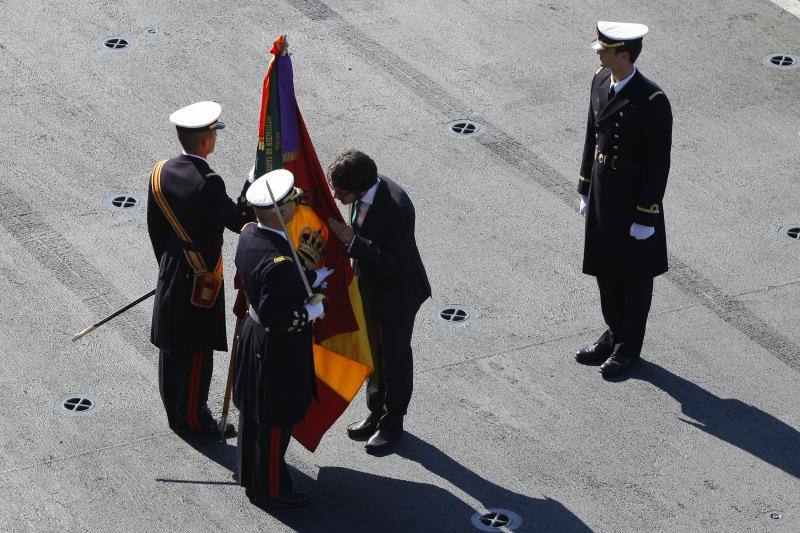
183	380
262	467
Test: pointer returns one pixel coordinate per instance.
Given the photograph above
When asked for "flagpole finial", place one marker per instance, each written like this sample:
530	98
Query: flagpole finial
281	46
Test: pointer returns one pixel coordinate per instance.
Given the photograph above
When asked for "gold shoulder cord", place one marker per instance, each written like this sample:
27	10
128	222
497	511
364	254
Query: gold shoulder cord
195	260
206	285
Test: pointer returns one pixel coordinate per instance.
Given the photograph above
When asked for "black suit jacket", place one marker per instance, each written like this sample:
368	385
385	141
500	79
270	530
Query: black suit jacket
626	159
389	268
196	195
274	376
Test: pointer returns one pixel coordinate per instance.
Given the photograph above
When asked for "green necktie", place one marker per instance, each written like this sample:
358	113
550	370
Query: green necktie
356	212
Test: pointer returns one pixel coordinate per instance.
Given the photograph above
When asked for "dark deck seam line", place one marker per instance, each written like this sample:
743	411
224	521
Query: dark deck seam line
62	459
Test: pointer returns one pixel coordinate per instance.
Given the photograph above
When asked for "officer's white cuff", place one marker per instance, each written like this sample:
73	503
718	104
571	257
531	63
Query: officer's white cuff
584	204
314	310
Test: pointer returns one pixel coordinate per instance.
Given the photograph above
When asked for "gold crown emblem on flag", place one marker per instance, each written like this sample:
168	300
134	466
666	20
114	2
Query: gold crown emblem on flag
311	246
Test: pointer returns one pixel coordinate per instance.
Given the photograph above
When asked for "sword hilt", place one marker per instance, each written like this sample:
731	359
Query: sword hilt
84	332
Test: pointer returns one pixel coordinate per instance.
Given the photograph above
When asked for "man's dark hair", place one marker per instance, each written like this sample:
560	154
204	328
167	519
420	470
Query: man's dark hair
353	171
633	49
191	139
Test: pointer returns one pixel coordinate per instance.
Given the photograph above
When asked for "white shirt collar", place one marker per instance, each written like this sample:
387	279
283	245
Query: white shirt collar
369	196
203	159
279	232
621	84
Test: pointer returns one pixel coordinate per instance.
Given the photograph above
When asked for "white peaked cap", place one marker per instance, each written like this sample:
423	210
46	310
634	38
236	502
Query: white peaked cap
613	34
281	182
198	116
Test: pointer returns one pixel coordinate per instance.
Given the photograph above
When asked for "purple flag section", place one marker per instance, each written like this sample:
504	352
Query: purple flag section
290	138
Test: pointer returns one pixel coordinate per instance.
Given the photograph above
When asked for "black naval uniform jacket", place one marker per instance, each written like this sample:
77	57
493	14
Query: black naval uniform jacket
274	376
626	158
196	195
387	261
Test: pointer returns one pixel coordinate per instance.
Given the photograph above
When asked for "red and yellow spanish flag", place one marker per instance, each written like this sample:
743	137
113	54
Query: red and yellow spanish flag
342	357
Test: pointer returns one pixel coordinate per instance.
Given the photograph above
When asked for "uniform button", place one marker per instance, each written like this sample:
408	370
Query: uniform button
596	135
616	136
244	213
620	114
615	147
616	125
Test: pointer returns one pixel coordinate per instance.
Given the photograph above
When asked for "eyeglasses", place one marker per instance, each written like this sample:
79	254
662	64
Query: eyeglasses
337	191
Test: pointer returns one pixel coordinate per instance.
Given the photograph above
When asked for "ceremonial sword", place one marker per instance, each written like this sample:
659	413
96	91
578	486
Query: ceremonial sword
300	270
112	315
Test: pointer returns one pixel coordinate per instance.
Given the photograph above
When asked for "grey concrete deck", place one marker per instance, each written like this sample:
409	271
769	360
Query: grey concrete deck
703	436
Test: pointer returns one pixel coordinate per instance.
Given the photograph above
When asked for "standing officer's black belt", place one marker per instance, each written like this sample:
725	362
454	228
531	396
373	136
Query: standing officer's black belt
254	316
615	163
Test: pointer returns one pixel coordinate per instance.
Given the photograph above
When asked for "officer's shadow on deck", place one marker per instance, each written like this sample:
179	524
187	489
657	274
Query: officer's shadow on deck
349	500
222	453
728	419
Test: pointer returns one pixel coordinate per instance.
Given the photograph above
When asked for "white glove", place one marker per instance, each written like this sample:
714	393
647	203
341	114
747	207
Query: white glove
640	232
584	207
315	310
322	275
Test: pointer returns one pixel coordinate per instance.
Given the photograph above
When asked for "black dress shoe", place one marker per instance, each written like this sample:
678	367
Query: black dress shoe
290	500
594	355
382	440
362	430
617	364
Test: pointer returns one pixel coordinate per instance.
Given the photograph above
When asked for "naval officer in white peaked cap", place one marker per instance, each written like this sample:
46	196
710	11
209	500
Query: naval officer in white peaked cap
623	176
187	212
274	379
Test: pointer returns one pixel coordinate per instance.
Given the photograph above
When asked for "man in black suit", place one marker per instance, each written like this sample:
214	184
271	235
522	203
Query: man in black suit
393	285
626	159
187	211
274	376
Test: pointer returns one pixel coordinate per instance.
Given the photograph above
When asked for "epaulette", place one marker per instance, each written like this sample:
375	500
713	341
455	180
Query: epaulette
281	259
652	96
